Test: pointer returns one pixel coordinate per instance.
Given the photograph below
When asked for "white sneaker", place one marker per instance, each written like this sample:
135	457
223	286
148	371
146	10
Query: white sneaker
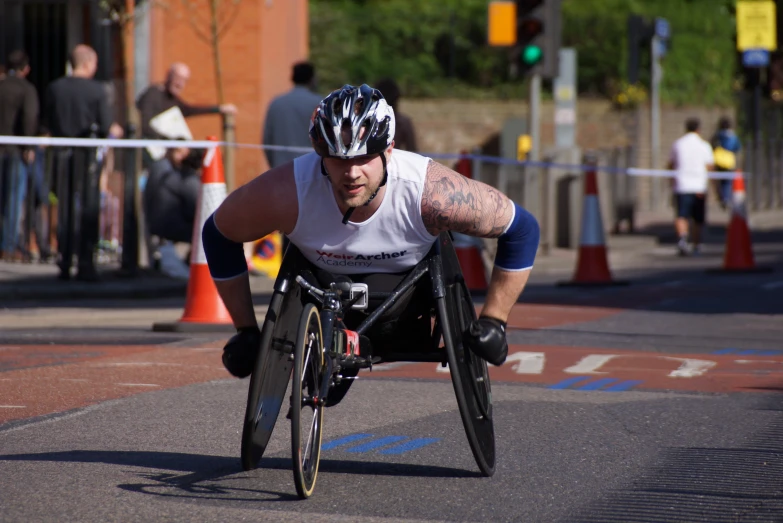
682	247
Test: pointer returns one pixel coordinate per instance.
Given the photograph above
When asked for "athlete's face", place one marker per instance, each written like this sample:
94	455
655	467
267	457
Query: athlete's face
355	180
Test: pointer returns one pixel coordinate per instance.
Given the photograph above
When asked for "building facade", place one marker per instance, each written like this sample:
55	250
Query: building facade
257	43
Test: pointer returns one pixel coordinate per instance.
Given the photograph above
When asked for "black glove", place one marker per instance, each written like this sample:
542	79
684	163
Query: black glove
486	338
239	354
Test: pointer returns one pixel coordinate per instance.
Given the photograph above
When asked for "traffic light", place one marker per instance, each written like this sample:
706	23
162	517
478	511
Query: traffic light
538	36
640	33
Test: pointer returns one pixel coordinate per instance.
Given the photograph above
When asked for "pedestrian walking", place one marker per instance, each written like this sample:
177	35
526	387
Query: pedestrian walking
19	112
691	157
287	121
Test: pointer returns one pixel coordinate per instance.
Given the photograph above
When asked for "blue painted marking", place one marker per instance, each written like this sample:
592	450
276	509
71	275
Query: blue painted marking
725	351
380	442
568	382
747	352
623	385
409	445
770	352
344	440
597	384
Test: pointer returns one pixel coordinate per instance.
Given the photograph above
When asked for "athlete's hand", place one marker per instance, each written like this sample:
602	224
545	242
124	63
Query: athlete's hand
486	337
239	354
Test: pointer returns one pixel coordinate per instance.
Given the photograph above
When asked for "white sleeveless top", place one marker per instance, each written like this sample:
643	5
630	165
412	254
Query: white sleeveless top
391	240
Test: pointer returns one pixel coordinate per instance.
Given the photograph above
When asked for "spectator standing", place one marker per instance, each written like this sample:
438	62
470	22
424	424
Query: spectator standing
159	98
287	121
691	156
726	145
77	106
19	111
404	134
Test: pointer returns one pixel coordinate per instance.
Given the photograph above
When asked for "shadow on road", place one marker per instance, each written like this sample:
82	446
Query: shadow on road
705	484
219	477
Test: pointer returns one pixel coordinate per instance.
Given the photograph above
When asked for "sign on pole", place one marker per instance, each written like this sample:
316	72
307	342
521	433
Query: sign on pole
756	25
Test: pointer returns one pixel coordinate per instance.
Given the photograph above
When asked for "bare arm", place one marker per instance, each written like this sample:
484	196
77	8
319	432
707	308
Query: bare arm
264	205
452	202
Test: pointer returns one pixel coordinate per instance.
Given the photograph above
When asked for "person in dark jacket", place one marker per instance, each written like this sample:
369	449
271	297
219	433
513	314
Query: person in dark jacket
77	106
159	98
19	110
171	194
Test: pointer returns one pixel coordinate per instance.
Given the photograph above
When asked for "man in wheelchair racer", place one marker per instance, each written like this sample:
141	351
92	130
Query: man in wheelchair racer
358	207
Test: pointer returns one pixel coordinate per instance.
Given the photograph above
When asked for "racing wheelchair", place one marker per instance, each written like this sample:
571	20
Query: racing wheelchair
304	339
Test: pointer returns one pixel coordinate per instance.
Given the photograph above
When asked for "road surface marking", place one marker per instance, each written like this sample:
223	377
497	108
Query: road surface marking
137	384
527	362
689	367
344	441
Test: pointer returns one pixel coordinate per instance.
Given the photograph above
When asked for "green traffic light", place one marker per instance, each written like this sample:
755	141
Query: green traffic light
531	55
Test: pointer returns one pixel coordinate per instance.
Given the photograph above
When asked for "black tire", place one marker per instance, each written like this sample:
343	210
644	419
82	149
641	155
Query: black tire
269	380
307	409
470	378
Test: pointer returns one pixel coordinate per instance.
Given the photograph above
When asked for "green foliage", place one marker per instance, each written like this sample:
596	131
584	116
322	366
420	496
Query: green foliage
439	48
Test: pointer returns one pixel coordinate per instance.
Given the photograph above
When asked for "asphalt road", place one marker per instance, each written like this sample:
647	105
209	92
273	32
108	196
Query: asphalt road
659	401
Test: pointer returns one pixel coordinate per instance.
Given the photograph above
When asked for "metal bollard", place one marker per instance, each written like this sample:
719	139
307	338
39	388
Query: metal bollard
130	225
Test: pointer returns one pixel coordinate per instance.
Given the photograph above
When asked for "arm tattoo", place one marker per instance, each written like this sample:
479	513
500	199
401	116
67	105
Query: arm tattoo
453	202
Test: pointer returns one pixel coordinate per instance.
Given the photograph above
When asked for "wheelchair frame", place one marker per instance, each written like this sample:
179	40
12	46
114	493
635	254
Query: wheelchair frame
453	311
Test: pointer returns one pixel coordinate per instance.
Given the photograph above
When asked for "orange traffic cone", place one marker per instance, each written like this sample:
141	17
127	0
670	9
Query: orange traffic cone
738	254
592	267
204	309
470	261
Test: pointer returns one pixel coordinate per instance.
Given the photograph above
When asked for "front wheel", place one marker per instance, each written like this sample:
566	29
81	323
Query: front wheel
306	406
470	378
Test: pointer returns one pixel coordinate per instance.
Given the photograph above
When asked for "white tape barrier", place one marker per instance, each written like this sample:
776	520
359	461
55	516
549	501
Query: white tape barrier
208	144
136	143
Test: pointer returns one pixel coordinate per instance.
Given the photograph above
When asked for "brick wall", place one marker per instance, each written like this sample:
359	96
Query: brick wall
449	125
261	42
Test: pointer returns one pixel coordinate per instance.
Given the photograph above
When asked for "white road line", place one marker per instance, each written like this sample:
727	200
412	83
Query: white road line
137	384
527	362
13	406
772	285
73	379
391	366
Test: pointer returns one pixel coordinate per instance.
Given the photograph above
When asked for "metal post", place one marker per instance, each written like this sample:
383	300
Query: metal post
229	136
759	150
655	119
544	220
476	164
535	117
531	174
130	227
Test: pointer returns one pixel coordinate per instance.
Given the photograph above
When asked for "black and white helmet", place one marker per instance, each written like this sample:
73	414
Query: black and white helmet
337	124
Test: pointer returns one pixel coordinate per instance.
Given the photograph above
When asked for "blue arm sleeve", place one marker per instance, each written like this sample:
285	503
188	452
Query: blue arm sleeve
225	258
517	246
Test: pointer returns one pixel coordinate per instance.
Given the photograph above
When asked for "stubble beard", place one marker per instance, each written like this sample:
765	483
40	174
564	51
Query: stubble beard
360	199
